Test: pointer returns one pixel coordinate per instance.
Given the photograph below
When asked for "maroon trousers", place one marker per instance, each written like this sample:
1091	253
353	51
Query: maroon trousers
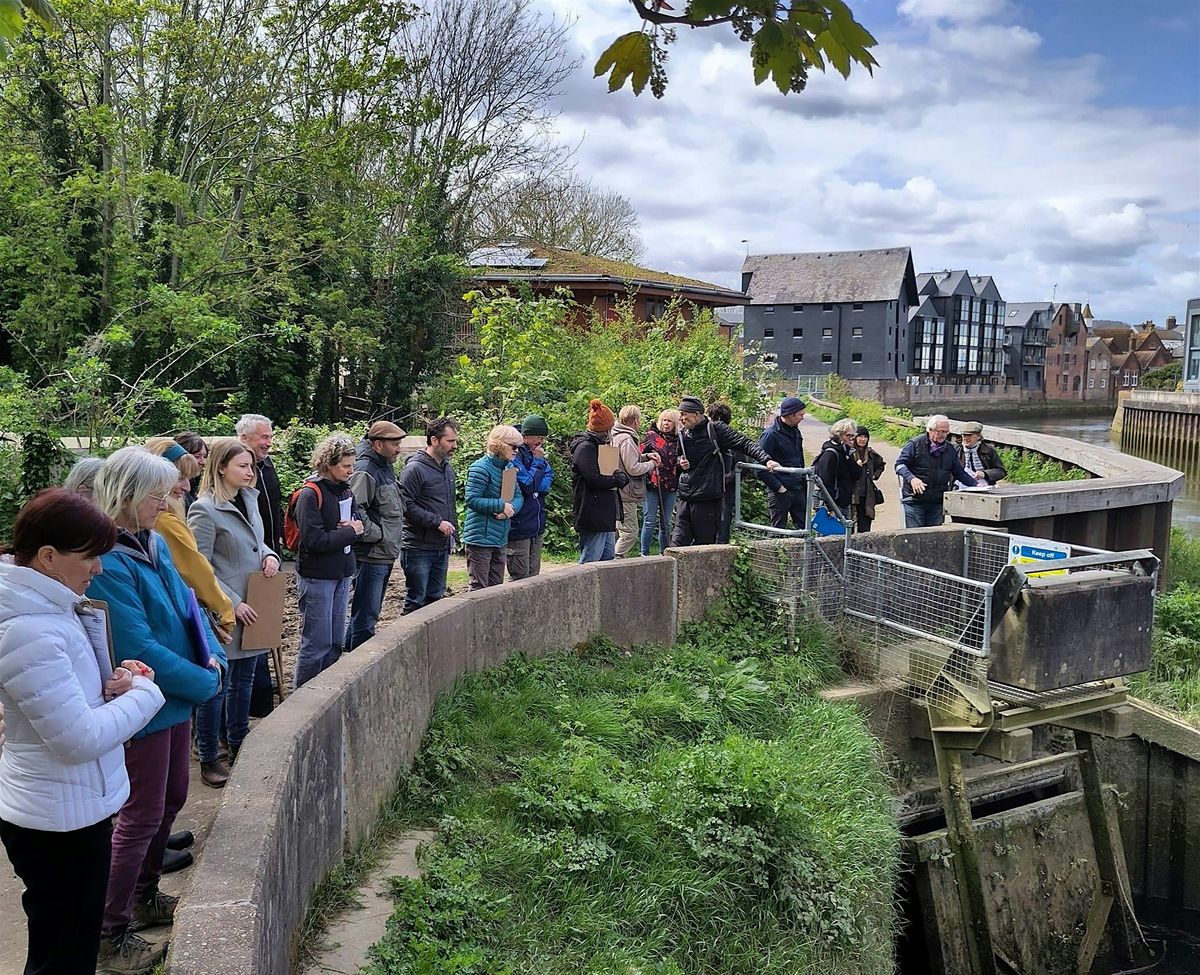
158	786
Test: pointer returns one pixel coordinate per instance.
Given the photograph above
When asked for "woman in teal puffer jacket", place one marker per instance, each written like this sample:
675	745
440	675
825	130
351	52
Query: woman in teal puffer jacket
489	516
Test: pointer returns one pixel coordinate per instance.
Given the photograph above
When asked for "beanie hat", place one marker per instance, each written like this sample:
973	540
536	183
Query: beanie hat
535	425
384	430
689	404
600	417
792	404
862	432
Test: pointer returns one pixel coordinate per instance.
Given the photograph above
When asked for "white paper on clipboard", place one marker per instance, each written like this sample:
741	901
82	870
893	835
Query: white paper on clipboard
94	617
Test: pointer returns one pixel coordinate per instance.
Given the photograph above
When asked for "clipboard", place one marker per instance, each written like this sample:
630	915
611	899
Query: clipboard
609	458
508	484
97	624
266	596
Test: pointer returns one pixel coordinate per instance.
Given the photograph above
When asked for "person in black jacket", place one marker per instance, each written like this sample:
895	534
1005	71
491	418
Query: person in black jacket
595	497
980	457
787	493
925	465
702	483
427	487
836	466
866	494
326	555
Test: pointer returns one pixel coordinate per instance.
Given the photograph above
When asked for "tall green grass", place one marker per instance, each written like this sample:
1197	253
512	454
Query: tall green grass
670	810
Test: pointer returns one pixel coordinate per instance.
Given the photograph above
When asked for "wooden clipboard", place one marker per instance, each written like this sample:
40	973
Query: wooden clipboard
609	458
508	484
266	597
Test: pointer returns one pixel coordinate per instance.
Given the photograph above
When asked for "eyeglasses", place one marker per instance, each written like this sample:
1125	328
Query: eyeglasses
160	498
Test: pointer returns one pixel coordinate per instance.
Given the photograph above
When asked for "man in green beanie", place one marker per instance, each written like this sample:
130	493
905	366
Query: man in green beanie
534	477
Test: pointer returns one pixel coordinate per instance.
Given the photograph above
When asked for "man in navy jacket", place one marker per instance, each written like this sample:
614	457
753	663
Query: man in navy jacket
534	477
788	493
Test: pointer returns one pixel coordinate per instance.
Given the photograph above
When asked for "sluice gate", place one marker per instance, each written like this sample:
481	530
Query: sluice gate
992	676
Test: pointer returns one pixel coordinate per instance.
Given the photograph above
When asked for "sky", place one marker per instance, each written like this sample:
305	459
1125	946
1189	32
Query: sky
1053	144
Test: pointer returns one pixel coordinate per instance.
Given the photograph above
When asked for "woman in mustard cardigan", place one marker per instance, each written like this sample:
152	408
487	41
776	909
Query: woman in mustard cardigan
197	573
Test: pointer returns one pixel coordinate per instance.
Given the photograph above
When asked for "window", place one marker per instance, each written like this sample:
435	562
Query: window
1103	382
1092	365
856	357
826	357
796	308
797	357
857	306
827	333
1091	382
856	332
827	307
768	333
655	308
769	310
797	333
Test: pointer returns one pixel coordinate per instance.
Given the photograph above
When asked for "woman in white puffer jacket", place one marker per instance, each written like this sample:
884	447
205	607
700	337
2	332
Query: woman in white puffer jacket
68	714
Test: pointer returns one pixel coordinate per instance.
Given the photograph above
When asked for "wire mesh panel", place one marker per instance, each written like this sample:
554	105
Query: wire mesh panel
920	632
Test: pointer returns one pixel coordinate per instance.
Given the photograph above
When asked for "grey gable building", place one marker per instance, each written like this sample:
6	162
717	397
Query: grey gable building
843	312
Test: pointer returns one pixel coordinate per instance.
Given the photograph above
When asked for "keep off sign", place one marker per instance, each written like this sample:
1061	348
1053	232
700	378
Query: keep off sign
1022	550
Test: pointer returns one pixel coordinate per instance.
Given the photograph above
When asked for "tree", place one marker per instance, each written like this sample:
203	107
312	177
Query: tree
564	211
12	19
787	39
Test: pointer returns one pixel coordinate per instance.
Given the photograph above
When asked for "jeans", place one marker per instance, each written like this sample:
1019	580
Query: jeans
792	502
597	546
262	696
208	726
237	699
918	515
424	575
158	786
369	584
651	520
323	628
525	558
65	877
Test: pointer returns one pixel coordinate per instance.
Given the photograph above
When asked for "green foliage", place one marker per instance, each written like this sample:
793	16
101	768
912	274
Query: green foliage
1183	561
787	40
672	810
1173	680
1028	467
542	355
1168	377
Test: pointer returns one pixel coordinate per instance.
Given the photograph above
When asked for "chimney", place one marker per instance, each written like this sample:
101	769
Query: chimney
1170	321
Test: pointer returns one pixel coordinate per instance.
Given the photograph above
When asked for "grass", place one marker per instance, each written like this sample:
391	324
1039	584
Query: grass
670	810
1173	680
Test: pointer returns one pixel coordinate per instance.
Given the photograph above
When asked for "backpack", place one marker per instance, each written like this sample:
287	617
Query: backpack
291	528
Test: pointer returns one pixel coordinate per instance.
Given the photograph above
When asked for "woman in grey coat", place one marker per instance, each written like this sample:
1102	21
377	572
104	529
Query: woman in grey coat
229	532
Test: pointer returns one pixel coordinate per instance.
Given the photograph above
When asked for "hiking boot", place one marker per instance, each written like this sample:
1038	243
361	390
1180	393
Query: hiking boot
128	954
214	774
156	910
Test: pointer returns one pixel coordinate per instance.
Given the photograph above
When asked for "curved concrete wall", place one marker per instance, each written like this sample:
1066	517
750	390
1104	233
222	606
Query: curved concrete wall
311	779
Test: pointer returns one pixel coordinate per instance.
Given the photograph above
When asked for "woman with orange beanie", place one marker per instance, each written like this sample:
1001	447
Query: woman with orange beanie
595	498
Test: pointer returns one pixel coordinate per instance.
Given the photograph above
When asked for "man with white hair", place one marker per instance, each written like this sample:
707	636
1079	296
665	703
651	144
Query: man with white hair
257	432
925	465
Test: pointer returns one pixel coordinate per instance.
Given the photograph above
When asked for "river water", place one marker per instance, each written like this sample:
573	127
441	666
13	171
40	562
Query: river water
1095	430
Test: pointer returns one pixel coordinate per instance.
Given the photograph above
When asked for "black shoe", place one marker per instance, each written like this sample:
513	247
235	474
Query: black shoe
174	860
181	840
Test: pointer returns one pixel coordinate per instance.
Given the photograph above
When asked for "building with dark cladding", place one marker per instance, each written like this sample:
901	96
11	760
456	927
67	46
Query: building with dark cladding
957	330
843	312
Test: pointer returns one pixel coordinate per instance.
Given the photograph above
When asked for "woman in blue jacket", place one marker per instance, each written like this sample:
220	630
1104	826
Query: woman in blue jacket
485	533
155	620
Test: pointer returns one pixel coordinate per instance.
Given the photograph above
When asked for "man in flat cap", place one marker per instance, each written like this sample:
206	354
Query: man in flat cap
378	497
980	457
702	446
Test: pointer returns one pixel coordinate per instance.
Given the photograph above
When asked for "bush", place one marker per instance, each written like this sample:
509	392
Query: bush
1168	377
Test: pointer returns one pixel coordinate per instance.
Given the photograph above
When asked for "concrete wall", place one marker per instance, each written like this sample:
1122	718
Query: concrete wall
311	780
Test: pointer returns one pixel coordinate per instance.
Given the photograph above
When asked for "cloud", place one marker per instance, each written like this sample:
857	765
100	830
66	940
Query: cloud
970	143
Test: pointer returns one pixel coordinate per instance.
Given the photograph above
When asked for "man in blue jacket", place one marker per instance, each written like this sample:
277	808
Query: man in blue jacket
788	493
534	477
925	465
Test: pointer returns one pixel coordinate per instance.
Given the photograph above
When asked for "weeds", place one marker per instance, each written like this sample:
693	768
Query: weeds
680	810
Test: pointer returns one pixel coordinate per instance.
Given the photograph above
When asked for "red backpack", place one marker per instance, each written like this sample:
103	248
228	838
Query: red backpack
291	528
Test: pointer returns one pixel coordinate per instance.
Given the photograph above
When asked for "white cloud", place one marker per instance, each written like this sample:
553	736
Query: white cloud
968	143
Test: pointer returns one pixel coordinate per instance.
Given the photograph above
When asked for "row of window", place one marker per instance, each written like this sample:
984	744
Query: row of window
827	306
826	333
827	357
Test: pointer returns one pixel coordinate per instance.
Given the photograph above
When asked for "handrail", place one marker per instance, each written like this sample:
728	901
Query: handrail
810	475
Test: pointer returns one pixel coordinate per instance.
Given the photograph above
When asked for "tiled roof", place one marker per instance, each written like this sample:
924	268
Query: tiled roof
1021	312
573	266
827	276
